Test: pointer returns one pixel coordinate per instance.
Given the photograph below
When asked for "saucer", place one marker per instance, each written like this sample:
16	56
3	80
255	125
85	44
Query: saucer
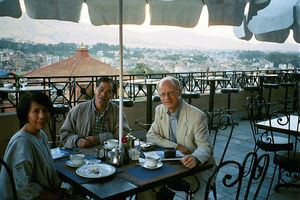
159	165
70	164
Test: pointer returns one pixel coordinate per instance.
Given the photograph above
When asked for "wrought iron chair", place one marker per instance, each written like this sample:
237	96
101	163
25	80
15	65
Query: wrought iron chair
58	115
289	159
263	139
230	175
224	129
12	181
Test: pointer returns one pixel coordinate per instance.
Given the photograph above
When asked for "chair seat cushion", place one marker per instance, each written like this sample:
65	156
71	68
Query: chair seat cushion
289	161
267	144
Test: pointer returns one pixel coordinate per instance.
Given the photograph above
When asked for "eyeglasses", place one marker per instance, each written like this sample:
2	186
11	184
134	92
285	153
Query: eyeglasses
167	94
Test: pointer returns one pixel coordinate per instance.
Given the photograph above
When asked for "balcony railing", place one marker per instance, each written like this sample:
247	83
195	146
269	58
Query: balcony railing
72	90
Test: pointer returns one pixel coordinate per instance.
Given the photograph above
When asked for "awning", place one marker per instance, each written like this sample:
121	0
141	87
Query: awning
268	20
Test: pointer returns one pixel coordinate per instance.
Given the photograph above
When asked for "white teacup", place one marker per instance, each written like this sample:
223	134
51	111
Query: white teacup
112	143
151	161
77	159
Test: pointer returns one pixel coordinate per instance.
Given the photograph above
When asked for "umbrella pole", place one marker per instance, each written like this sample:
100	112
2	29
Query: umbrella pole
121	93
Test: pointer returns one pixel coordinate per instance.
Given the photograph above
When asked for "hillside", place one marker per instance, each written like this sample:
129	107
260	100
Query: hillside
52	31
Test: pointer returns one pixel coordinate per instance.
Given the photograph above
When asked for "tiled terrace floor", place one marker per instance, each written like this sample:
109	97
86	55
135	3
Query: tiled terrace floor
240	145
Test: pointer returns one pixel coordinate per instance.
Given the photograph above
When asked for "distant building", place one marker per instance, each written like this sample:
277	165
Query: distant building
79	65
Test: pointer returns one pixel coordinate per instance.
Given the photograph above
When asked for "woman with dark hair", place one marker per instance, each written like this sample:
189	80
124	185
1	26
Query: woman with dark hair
28	153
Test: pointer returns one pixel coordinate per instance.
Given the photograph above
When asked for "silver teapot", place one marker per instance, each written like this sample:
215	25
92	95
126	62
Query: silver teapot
116	156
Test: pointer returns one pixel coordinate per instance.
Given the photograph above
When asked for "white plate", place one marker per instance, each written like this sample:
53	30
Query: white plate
159	165
95	171
70	164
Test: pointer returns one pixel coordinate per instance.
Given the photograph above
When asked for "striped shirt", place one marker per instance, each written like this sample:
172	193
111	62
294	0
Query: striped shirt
100	120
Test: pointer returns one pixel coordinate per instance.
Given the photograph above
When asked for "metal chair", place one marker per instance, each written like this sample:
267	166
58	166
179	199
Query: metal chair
224	129
11	178
288	160
58	115
263	139
230	175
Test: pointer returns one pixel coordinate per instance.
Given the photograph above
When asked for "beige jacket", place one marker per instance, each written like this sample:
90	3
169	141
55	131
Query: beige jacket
192	131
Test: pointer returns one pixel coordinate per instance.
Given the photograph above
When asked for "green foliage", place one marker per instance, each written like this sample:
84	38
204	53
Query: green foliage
103	47
251	55
171	57
60	49
142	67
200	58
282	58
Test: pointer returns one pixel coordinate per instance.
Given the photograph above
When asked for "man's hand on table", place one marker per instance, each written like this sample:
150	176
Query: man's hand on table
86	142
92	140
189	161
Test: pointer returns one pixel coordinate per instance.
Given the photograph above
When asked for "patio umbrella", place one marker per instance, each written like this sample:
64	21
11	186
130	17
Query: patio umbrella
269	20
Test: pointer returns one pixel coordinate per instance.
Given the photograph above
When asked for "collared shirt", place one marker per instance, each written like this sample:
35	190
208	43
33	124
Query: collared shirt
100	120
174	122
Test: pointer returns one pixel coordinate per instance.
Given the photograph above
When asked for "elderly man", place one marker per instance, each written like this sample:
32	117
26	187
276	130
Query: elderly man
183	127
92	122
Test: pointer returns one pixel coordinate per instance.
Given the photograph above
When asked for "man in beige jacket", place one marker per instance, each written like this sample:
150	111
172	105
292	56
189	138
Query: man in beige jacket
183	127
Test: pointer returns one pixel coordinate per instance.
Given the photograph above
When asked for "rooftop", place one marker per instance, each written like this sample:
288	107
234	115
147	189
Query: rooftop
79	65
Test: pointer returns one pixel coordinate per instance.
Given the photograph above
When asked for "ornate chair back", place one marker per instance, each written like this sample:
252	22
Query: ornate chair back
229	175
223	134
288	158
